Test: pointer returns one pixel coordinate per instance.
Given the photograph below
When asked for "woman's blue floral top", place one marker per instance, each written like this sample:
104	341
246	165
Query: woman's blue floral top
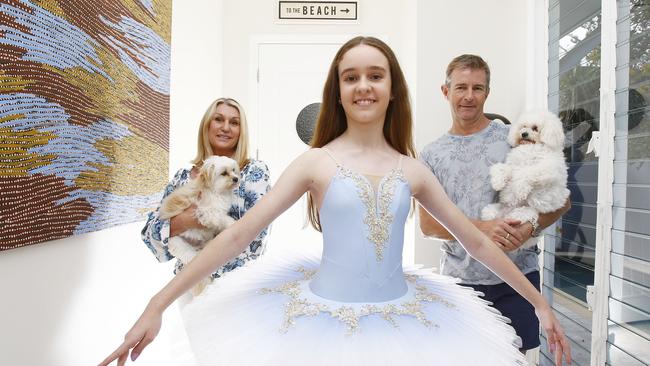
253	185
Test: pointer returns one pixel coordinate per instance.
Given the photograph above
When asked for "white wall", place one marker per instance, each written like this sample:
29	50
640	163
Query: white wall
494	30
197	73
69	302
391	20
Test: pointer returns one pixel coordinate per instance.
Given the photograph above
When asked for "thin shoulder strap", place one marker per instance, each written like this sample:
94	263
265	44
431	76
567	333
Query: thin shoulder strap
331	156
399	162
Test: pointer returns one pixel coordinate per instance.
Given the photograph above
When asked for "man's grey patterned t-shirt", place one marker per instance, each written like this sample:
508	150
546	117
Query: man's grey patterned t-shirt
462	165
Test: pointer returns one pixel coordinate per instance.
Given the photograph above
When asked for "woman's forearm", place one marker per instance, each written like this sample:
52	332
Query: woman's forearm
216	253
181	222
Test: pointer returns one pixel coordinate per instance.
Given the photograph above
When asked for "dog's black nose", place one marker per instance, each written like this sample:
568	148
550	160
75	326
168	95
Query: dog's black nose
235	179
524	134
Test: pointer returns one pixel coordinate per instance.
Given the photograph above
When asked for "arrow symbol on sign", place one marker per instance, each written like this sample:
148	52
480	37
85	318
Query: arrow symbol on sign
345	11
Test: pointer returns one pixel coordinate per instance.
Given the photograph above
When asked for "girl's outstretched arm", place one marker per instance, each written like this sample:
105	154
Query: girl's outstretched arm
430	194
291	185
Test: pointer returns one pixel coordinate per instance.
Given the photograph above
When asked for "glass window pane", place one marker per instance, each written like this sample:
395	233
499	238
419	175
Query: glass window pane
629	342
574	94
634	172
629	293
581	233
629	302
618	357
633	319
631	245
631	196
631	220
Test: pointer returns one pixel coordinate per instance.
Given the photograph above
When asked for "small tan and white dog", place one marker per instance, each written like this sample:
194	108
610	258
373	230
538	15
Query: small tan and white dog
533	179
212	193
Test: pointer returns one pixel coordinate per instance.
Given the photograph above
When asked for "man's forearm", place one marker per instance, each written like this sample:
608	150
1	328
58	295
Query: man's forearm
431	228
547	219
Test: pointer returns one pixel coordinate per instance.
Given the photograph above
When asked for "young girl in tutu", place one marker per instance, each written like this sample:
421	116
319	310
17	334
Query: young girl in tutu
352	304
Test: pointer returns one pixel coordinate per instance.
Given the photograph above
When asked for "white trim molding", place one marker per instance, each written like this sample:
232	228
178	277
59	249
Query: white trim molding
605	181
537	54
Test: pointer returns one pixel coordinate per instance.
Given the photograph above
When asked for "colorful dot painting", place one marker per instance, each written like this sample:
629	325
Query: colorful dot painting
84	115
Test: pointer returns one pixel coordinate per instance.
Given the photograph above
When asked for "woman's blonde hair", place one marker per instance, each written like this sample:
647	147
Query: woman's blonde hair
331	123
204	150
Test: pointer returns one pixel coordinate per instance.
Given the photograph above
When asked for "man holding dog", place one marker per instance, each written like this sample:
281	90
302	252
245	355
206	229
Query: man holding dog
461	161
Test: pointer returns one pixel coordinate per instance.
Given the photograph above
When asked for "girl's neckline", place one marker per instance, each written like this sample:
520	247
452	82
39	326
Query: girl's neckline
365	175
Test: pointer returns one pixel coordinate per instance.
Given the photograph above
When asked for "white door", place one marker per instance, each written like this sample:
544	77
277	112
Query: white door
291	76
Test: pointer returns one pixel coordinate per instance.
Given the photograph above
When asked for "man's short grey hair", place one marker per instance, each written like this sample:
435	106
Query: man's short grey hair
466	61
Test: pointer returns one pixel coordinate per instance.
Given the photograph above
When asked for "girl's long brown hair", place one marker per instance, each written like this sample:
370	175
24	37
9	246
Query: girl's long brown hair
332	122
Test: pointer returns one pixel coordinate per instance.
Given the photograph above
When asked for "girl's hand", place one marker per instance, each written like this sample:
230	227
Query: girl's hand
141	334
557	342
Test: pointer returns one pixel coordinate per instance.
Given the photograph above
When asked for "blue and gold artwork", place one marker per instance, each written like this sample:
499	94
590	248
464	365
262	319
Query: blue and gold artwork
84	115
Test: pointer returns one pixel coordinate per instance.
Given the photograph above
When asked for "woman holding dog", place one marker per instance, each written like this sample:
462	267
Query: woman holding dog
224	132
354	304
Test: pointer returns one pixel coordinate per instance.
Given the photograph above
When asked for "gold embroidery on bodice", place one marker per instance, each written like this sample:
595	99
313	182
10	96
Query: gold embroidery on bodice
378	218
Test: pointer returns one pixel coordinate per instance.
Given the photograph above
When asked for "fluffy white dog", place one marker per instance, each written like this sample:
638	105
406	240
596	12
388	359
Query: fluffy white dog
212	193
533	179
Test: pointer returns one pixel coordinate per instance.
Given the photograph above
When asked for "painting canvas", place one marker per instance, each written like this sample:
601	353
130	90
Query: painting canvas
84	115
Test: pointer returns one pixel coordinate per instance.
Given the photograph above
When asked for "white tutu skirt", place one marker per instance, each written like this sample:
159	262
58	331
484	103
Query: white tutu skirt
265	314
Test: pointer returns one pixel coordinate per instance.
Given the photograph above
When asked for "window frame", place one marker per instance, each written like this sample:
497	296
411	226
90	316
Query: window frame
537	94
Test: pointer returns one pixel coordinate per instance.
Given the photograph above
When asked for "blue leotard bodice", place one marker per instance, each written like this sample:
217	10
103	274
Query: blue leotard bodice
363	237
